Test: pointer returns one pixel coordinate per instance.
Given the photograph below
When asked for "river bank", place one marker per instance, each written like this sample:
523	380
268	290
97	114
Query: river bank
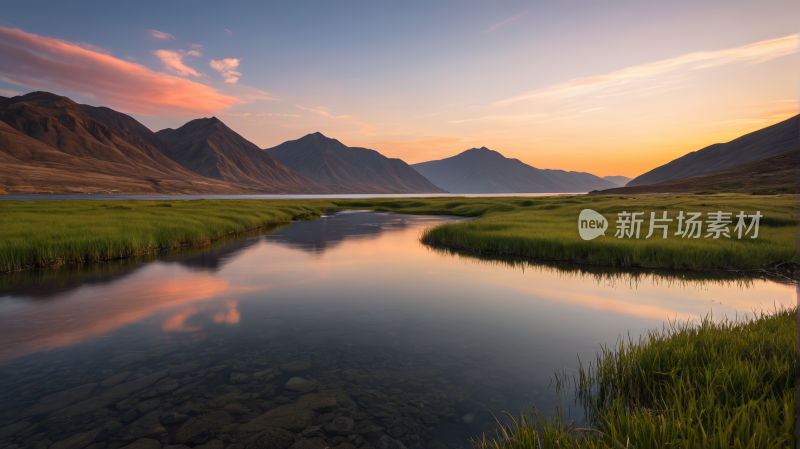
714	384
41	234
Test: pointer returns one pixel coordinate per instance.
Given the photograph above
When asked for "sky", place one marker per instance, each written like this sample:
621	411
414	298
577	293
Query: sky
610	88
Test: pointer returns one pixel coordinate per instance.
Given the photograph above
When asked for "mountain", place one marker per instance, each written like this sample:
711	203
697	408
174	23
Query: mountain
775	174
344	169
776	139
618	180
480	170
49	143
208	147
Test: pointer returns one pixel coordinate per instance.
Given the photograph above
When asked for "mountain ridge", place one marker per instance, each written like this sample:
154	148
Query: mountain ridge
344	169
772	140
210	148
481	170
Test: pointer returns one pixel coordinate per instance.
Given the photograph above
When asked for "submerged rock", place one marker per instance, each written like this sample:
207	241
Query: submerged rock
272	439
296	367
144	443
300	384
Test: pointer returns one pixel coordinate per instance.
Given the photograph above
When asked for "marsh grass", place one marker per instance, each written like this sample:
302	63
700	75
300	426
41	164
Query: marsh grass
50	233
714	384
547	228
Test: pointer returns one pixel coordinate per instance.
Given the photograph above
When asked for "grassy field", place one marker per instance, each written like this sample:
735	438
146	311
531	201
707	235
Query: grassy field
719	384
49	233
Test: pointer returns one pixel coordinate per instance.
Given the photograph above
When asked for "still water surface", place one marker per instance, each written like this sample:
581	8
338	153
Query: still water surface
344	332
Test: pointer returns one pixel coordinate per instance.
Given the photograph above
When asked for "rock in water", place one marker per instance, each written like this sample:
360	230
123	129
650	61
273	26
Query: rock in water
300	384
273	439
296	367
144	443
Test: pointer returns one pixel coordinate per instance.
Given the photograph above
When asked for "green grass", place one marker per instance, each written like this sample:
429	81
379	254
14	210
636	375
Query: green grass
49	233
547	228
719	384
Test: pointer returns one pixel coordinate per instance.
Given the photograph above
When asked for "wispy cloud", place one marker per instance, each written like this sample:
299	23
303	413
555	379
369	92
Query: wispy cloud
227	32
321	112
227	68
625	78
499	24
173	61
593	109
45	63
9	93
160	34
277	115
502	118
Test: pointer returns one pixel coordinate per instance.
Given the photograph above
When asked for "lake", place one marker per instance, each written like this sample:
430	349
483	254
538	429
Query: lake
345	330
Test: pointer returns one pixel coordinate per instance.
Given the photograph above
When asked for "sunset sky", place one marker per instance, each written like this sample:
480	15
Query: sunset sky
611	88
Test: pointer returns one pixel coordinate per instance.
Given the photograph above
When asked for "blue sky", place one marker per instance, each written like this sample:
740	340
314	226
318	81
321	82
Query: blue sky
423	80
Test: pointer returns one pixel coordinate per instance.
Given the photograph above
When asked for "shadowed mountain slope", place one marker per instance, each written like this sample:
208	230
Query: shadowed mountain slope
49	143
208	147
480	170
618	180
344	169
772	140
775	174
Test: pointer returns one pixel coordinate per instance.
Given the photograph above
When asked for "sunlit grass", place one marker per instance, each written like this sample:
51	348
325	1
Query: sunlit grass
715	384
49	233
548	229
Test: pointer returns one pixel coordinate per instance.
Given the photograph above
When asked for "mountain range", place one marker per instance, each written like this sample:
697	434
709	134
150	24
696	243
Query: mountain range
770	141
343	169
209	148
481	170
51	144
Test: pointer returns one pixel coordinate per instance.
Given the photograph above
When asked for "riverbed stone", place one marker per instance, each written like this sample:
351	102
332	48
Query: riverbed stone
272	439
144	443
148	426
129	358
296	367
13	429
339	426
193	431
60	400
213	444
216	420
78	441
300	384
116	379
285	417
113	394
314	432
239	378
310	443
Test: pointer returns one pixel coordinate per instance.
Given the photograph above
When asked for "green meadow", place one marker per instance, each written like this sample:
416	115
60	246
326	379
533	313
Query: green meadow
714	384
50	233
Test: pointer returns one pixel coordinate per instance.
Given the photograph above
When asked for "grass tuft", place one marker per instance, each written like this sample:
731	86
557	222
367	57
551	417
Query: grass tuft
713	384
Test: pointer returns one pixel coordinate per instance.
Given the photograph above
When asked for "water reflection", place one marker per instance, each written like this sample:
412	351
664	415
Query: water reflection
419	342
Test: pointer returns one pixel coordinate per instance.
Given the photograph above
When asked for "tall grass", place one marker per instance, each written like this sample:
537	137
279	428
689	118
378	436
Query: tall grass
714	384
548	229
50	233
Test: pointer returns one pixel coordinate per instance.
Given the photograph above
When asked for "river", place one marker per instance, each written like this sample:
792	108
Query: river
345	329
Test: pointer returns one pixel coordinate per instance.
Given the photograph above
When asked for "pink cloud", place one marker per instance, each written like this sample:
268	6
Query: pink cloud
321	112
226	68
625	79
160	34
498	25
45	63
173	61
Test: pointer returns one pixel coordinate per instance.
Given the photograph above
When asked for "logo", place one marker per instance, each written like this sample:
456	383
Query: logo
591	224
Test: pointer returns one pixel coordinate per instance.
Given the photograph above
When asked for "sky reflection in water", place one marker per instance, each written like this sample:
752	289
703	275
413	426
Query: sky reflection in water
364	280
